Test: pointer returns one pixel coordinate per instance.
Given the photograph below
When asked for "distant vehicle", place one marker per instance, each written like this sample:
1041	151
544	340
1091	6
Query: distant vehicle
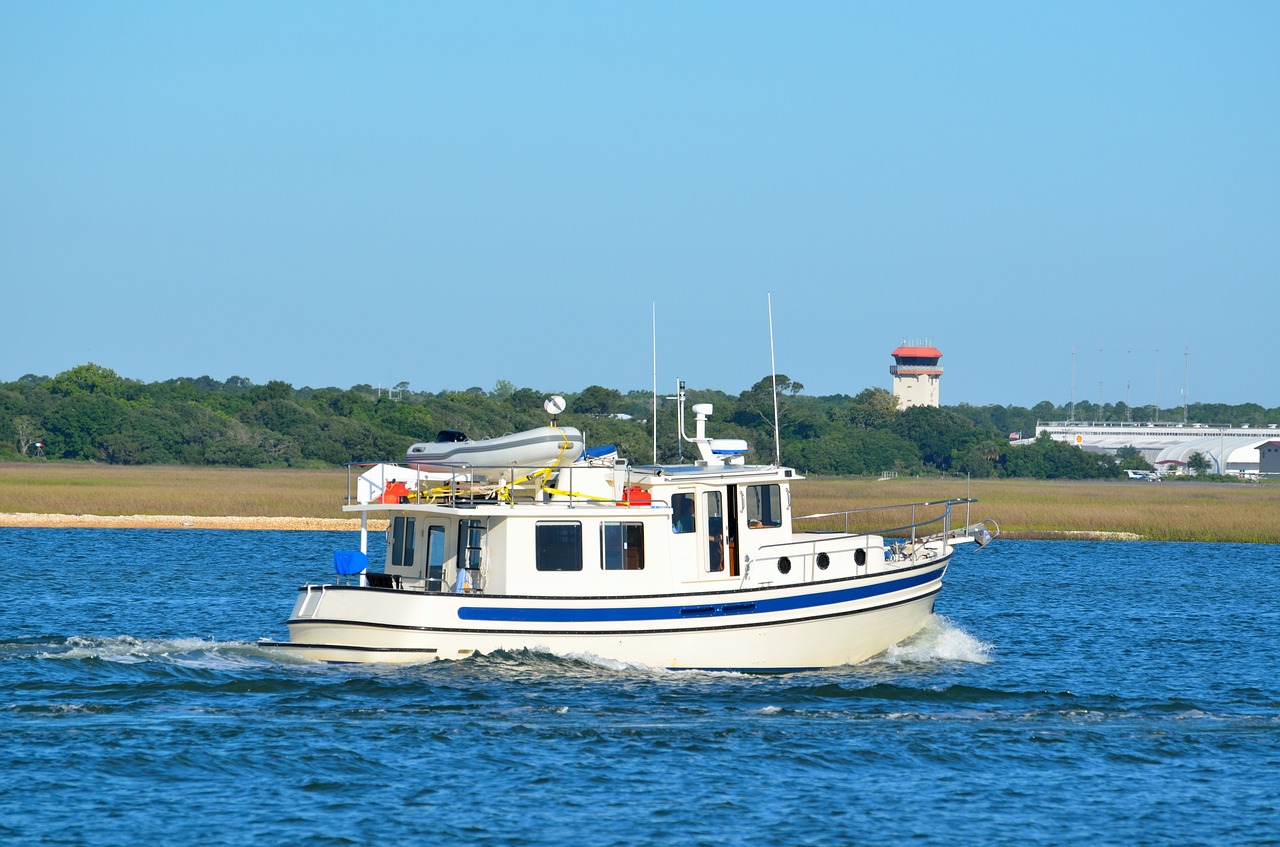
1146	476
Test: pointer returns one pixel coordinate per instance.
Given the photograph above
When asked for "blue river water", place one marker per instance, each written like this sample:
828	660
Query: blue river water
1090	693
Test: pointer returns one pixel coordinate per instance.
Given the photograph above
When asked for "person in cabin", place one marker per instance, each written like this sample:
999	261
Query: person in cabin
715	532
682	515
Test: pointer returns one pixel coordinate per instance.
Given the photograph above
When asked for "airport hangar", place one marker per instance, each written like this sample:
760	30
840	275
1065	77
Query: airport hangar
1237	451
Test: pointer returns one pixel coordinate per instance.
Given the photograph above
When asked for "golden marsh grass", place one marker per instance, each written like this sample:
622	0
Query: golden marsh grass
1164	511
92	489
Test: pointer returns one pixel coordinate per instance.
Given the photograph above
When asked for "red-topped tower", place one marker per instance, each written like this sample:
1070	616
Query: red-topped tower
916	374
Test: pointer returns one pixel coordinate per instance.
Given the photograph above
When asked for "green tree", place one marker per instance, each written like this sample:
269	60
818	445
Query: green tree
755	410
873	408
27	432
937	433
1198	463
852	452
1045	411
87	379
597	400
1046	458
1129	458
980	457
79	422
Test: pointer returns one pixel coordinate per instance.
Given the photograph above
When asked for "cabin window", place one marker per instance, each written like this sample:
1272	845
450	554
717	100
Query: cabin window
682	513
401	541
715	531
435	558
623	546
470	544
559	546
764	506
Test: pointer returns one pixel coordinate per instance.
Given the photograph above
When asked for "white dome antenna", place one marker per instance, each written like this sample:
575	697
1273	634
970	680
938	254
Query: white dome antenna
554	405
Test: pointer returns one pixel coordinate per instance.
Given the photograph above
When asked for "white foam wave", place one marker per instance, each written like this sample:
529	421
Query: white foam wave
128	649
601	662
939	641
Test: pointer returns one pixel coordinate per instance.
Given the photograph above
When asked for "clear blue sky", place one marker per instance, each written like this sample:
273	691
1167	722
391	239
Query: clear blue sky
452	195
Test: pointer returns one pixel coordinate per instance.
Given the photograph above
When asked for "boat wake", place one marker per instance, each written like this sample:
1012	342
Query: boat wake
940	641
132	650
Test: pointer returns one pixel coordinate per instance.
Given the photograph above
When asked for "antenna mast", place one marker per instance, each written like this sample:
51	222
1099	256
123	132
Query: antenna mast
653	322
1186	380
1073	382
777	438
1157	385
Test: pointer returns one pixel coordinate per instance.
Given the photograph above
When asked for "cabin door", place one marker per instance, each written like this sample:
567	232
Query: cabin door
713	515
435	558
731	530
470	579
722	530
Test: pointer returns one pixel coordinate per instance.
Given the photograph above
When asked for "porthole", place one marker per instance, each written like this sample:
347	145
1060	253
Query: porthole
784	565
860	556
824	561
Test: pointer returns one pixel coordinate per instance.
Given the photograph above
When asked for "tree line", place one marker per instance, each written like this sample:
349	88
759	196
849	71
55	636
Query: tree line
90	413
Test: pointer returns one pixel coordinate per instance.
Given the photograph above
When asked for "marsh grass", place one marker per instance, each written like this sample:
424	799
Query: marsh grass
92	489
1165	511
1027	508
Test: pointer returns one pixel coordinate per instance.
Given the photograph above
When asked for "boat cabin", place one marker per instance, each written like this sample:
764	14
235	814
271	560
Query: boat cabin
714	524
601	527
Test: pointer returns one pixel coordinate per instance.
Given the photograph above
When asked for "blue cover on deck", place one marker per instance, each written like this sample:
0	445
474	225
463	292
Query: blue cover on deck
347	562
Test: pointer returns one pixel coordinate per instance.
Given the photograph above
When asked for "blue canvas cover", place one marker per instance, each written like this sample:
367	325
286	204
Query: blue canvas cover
347	562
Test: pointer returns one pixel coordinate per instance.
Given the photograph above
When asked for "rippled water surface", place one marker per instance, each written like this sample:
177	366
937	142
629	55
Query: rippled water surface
1068	693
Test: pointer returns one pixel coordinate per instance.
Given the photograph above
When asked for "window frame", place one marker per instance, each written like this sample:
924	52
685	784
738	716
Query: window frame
764	500
631	538
547	551
400	542
678	500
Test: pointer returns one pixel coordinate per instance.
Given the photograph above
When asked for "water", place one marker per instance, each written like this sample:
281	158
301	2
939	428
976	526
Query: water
1069	693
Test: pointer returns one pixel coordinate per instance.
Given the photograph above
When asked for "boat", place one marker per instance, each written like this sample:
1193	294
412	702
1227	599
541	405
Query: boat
693	566
453	449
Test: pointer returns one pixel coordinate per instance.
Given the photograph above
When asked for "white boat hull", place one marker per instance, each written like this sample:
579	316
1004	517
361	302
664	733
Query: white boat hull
794	627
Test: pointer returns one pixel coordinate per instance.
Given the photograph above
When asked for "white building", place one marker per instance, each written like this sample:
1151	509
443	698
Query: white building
916	374
1230	450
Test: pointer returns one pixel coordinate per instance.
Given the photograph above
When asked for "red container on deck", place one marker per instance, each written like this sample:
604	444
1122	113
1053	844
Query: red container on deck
636	496
396	492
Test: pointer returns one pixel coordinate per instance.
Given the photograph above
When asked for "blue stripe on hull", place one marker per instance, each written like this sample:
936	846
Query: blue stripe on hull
710	626
515	614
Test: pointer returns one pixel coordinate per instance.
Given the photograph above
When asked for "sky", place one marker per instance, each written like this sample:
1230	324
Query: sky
1069	200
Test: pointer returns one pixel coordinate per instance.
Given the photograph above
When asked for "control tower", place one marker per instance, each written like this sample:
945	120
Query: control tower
916	374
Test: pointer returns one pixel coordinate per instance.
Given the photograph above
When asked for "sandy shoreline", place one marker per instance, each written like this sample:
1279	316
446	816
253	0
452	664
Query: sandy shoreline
182	522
